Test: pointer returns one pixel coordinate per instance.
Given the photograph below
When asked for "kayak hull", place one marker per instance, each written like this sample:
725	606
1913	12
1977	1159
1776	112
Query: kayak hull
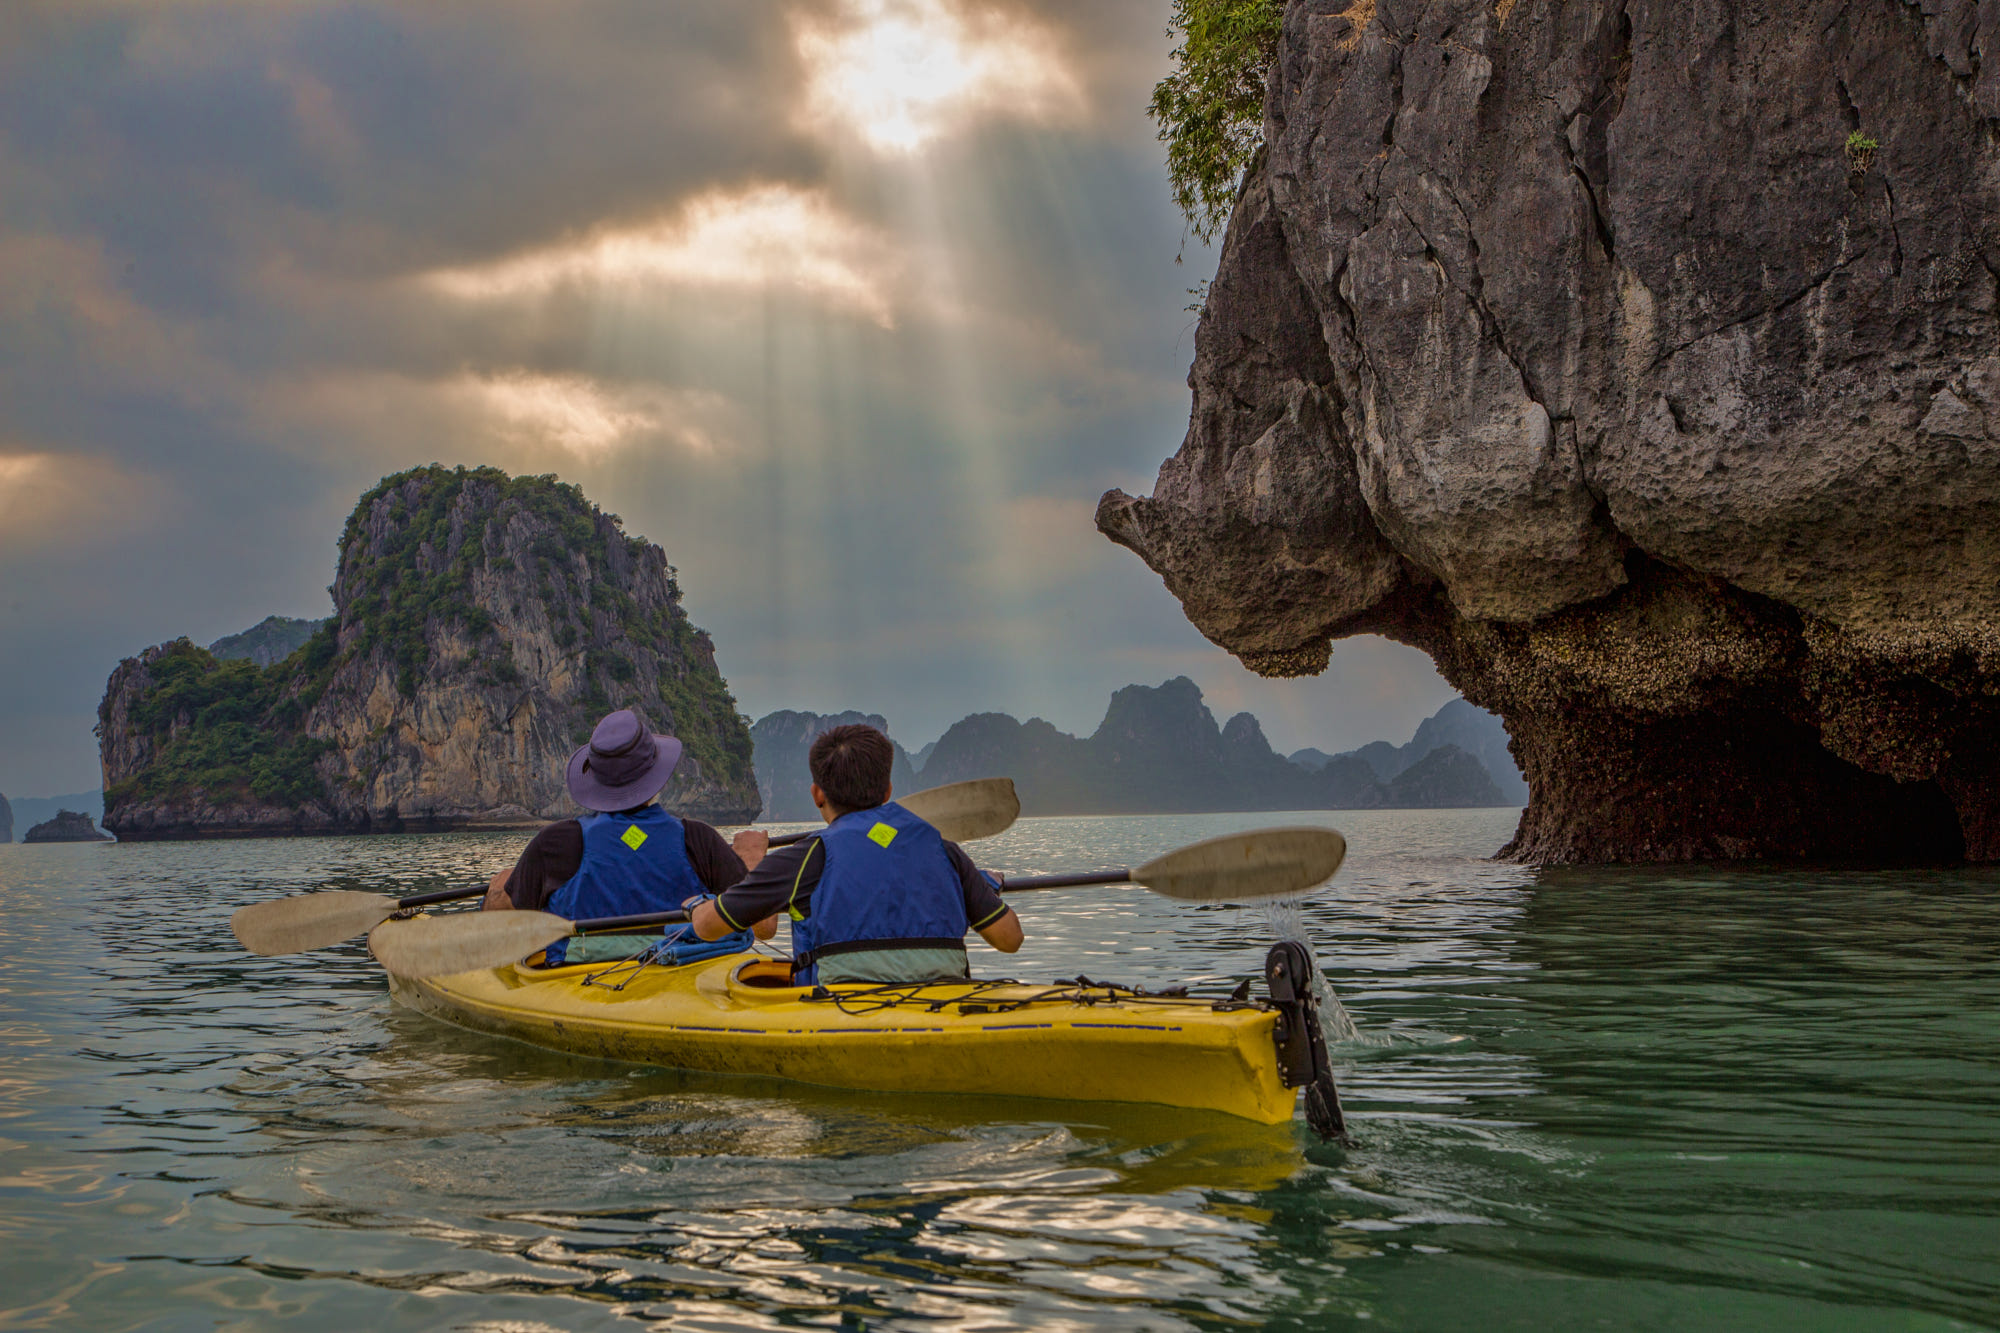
1063	1042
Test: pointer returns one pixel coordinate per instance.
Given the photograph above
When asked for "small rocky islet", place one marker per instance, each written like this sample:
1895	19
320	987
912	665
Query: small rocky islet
67	826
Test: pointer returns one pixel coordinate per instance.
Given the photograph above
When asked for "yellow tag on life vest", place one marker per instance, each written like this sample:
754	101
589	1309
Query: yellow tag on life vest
882	835
634	837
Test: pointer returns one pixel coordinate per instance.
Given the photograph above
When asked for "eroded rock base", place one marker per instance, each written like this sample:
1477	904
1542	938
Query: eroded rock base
1730	787
1682	719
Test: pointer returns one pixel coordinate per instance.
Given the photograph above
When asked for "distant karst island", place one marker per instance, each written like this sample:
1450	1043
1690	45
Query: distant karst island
268	642
67	826
482	623
1159	751
28	811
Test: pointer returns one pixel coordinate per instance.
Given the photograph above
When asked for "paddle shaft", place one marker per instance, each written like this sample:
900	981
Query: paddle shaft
460	895
441	896
611	925
1063	881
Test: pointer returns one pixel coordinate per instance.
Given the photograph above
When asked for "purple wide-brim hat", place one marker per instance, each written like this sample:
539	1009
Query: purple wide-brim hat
624	766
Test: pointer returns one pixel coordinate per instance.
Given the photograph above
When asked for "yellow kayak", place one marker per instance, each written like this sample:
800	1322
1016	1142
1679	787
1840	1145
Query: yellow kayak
740	1014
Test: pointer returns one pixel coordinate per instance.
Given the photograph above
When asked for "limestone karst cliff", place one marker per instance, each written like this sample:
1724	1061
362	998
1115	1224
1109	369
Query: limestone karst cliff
482	624
1640	362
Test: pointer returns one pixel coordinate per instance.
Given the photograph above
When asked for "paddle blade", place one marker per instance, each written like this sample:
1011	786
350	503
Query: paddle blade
438	946
1266	863
308	921
963	811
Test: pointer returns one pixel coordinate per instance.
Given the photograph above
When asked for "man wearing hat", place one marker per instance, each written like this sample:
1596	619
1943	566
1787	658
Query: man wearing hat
629	855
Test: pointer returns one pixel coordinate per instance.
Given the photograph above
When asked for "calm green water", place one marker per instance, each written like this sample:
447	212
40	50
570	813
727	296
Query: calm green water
1675	1099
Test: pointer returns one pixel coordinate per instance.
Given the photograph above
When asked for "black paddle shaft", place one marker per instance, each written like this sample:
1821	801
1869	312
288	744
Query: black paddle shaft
441	896
611	925
460	895
1063	881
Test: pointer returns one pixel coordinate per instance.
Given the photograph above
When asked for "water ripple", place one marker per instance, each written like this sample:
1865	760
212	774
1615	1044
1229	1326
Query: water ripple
1726	1099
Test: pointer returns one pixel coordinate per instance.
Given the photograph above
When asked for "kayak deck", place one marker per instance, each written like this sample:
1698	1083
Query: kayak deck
740	1015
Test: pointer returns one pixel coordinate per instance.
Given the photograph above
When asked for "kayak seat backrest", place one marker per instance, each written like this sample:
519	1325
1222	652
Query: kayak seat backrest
766	974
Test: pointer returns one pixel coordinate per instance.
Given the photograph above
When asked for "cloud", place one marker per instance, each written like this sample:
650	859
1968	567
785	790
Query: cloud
766	237
54	503
525	419
854	306
902	73
582	416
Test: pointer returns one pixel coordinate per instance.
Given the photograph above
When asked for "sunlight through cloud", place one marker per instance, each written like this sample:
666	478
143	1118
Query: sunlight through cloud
578	414
901	73
769	237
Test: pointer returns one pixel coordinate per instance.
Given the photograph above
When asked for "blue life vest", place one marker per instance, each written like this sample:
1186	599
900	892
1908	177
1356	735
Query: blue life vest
634	863
887	885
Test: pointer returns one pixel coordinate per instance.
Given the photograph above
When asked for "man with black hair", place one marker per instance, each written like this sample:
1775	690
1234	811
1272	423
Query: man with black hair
878	897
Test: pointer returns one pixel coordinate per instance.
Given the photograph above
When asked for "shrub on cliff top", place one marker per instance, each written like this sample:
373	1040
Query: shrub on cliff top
1210	109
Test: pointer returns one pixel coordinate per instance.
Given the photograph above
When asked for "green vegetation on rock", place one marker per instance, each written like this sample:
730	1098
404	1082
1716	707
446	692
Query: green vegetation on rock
1860	150
229	728
1210	109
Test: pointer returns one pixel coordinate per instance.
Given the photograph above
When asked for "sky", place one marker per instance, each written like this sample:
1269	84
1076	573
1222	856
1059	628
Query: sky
853	306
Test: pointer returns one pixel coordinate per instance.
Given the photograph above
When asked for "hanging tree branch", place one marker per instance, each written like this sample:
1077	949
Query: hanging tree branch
1210	108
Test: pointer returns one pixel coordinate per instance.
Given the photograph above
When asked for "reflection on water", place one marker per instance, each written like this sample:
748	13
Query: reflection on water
1635	1099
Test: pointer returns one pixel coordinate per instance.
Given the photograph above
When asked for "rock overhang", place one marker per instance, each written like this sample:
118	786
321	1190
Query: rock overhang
1568	343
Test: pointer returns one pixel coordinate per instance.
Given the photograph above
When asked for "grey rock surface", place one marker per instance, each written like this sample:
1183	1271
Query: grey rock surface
1567	341
6	821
